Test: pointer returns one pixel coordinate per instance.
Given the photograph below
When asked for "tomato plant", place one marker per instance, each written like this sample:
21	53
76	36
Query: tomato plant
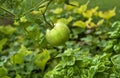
59	39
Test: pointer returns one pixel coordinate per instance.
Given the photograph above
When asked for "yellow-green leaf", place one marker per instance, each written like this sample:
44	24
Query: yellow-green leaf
87	14
38	12
80	24
100	22
17	59
24	51
58	11
6	77
42	9
41	59
108	14
18	76
90	13
70	7
7	29
81	9
64	20
23	19
3	71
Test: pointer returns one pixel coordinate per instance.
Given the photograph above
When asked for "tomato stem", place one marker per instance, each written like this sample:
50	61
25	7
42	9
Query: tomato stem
43	13
6	10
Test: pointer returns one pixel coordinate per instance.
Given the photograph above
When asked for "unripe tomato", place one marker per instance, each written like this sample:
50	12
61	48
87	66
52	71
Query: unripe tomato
58	35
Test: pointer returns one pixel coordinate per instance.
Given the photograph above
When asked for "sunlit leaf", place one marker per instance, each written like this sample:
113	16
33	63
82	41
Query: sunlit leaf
89	13
64	20
70	7
108	14
80	24
91	25
100	22
23	19
93	10
58	11
39	12
16	23
41	59
42	9
36	12
81	9
7	29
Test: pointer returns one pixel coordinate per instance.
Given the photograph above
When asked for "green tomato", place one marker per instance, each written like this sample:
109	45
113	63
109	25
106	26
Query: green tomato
58	35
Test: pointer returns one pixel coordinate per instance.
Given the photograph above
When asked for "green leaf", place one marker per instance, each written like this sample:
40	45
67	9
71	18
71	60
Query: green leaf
3	71
2	43
80	23
68	60
65	21
17	58
92	71
41	59
18	76
7	29
6	77
116	61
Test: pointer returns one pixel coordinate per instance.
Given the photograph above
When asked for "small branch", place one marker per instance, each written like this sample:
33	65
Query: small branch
7	10
46	19
43	13
47	6
24	13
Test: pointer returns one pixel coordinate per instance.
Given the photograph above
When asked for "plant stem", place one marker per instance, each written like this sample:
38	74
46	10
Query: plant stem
43	13
6	10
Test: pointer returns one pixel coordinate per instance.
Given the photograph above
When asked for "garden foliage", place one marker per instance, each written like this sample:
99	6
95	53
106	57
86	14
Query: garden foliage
92	51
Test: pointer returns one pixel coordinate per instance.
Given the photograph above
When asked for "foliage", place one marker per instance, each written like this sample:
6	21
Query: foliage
92	50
